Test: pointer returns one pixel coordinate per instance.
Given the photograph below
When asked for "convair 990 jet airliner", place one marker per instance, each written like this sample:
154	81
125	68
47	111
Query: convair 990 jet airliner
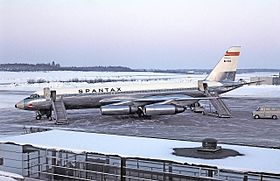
142	99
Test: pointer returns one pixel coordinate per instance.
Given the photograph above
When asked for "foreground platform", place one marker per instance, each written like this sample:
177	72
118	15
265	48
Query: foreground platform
254	159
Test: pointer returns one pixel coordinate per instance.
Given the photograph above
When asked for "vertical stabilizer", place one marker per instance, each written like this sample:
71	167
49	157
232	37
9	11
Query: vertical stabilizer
225	70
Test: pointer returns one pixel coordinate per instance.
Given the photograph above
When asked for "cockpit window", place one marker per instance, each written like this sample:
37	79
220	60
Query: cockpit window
33	96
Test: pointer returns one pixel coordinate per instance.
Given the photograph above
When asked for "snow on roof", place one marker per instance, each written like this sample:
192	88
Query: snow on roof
3	178
5	175
254	159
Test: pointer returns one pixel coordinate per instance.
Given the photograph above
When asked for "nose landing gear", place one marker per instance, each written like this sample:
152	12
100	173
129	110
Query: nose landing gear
41	113
38	117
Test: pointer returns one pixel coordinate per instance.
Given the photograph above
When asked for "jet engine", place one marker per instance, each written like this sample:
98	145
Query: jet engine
118	110
159	109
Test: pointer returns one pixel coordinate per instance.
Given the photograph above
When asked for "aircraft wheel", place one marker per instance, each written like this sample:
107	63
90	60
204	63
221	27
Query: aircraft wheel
38	117
140	113
274	117
256	117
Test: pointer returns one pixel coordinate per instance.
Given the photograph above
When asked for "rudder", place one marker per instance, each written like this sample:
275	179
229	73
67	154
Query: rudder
225	70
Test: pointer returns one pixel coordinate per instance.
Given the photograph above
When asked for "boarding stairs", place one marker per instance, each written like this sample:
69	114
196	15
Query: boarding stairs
221	108
59	111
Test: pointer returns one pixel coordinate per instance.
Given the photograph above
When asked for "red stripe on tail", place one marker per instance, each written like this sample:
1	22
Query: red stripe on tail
232	53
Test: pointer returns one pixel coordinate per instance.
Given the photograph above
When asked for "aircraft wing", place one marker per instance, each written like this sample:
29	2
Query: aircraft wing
182	100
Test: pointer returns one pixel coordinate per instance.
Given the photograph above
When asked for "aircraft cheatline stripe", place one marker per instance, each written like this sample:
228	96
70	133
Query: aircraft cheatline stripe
232	53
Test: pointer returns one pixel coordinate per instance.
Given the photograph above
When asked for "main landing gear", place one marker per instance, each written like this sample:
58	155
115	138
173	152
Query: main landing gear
141	113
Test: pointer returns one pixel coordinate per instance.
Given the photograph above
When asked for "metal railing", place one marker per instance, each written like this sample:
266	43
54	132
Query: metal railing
53	165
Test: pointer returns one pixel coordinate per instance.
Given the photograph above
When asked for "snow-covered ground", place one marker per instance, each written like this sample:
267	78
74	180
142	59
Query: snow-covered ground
254	159
19	80
22	77
255	91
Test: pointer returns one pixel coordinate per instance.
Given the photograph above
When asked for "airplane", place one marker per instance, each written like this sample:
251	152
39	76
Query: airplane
141	99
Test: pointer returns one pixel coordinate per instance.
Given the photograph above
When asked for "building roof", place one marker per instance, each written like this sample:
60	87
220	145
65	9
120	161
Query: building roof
254	159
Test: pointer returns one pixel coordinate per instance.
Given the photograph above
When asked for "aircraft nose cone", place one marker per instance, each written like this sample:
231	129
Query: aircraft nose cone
20	105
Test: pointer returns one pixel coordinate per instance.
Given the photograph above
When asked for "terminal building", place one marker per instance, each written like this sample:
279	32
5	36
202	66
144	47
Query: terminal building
269	80
68	155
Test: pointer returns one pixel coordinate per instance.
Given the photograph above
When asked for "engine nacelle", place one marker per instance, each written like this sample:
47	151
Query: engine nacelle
118	110
150	110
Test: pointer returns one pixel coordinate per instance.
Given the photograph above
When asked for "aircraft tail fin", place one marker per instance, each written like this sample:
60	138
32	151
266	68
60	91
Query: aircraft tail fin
225	70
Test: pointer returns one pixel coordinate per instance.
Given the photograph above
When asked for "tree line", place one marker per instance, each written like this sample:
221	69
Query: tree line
15	67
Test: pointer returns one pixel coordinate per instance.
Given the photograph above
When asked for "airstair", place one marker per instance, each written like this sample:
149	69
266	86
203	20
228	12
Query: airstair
218	103
58	107
59	111
221	108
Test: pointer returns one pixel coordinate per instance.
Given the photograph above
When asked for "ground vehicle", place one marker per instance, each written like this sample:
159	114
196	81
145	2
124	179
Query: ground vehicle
197	108
267	112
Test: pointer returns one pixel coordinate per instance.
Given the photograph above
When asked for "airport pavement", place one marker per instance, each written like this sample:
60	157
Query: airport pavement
241	129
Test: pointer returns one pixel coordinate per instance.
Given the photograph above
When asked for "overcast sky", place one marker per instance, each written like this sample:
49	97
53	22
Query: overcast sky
163	34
